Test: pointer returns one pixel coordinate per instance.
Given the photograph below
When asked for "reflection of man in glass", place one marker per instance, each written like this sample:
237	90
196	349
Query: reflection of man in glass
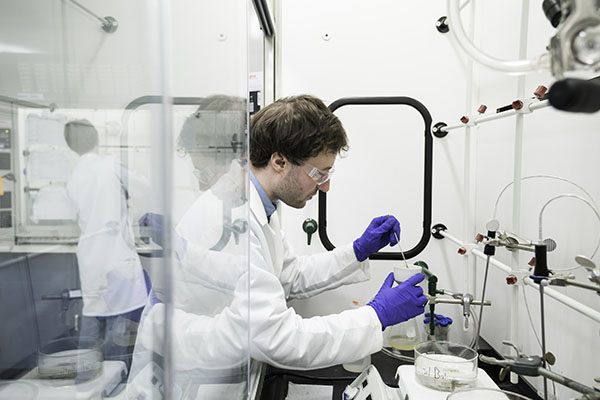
112	282
208	267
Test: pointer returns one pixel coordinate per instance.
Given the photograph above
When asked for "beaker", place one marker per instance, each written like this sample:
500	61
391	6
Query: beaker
357	366
404	336
445	366
71	357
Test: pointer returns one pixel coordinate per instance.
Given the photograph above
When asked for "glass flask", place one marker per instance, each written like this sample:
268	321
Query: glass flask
404	336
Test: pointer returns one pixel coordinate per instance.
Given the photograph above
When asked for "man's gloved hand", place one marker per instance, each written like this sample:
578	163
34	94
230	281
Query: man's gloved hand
156	224
401	303
378	234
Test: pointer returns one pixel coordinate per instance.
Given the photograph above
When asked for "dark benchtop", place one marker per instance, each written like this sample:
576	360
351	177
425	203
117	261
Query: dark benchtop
275	381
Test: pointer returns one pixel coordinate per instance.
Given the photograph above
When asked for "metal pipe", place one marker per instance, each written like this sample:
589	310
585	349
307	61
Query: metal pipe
487	268
87	10
437	300
572	282
543	326
109	24
563	380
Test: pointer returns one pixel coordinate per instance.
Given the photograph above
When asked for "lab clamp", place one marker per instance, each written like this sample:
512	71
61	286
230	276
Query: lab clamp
433	297
526	365
540	249
543	277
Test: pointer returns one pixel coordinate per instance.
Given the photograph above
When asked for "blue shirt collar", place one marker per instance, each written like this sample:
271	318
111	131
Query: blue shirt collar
267	204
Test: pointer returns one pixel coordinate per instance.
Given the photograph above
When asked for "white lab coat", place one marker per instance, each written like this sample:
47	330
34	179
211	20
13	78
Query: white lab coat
110	271
234	308
279	336
283	338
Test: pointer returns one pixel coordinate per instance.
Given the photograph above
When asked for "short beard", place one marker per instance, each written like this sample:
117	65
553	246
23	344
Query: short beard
288	190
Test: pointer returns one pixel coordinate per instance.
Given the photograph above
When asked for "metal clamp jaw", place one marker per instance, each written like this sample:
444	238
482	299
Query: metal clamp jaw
466	300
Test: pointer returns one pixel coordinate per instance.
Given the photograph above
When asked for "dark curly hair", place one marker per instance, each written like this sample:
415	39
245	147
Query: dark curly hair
296	127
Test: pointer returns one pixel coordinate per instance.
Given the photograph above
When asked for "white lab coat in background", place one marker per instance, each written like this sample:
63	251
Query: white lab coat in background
112	281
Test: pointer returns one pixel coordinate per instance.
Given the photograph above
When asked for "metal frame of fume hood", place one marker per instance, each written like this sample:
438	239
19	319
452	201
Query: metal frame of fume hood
427	175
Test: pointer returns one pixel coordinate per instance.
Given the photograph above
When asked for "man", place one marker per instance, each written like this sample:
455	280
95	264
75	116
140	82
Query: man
112	282
293	146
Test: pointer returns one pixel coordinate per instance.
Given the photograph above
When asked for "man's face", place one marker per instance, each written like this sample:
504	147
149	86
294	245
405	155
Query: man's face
297	187
209	167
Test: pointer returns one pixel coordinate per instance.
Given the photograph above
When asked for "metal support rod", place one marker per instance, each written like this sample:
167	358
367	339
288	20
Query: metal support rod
579	387
109	24
572	282
543	322
487	268
437	300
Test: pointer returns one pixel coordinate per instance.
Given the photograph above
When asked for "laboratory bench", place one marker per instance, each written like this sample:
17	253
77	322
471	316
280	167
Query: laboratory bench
275	381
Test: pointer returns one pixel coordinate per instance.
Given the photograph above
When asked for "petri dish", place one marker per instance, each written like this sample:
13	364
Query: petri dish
485	393
69	358
445	366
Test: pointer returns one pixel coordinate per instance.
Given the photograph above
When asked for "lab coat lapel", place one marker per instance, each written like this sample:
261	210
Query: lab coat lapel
270	239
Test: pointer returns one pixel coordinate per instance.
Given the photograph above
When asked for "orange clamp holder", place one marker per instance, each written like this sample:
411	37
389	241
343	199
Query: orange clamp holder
482	108
540	91
517	104
464	119
511	279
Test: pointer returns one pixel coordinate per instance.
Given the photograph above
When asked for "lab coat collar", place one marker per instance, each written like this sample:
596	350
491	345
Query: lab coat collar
269	206
256	206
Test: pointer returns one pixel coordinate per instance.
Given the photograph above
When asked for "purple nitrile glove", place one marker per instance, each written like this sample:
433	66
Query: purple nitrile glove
401	303
380	232
156	224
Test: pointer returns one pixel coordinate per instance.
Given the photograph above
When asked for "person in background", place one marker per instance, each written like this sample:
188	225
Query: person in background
113	285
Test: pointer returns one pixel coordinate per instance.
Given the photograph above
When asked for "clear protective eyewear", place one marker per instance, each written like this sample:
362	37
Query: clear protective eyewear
320	176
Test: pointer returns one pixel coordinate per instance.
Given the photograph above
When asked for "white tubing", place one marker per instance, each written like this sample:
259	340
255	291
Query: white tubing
513	67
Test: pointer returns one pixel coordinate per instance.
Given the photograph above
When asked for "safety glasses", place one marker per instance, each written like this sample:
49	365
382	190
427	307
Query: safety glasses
320	176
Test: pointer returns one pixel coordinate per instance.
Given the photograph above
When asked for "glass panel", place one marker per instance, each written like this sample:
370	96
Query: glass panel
123	200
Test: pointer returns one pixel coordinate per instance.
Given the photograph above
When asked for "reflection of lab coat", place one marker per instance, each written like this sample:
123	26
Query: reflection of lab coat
110	271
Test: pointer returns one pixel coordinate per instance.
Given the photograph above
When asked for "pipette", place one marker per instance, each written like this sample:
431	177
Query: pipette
400	247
